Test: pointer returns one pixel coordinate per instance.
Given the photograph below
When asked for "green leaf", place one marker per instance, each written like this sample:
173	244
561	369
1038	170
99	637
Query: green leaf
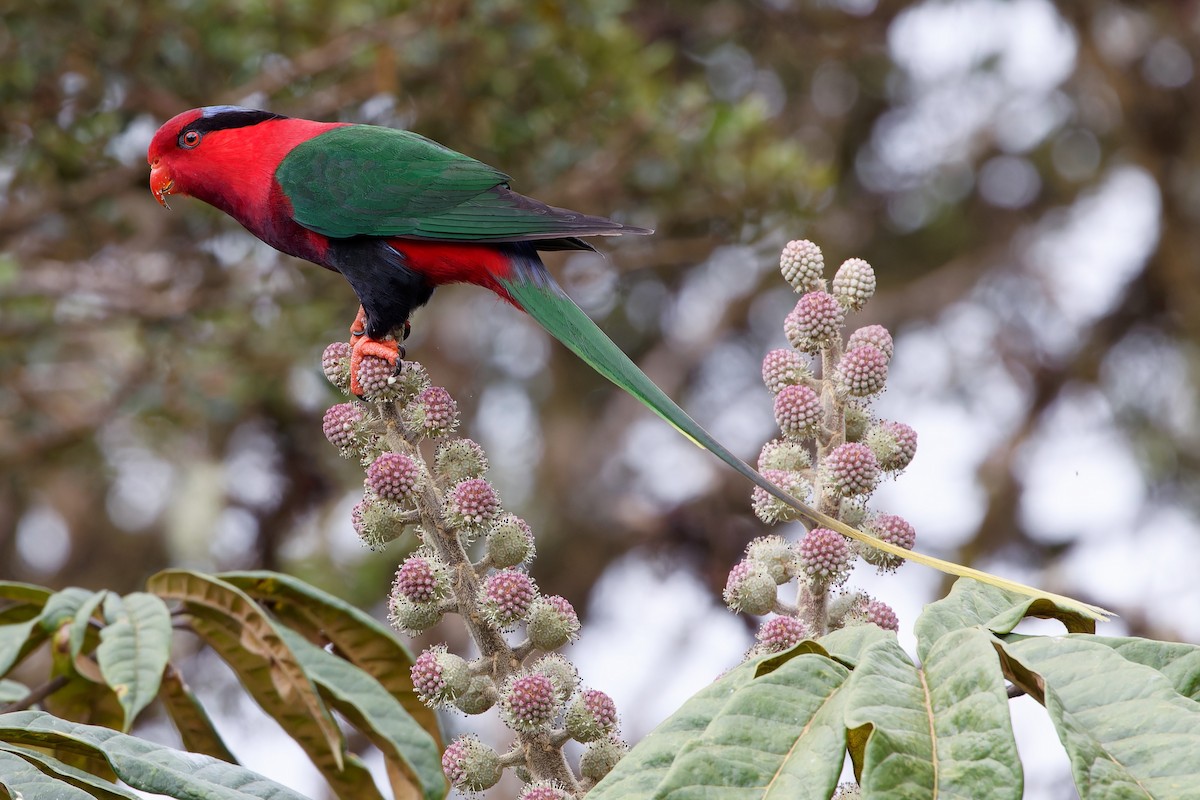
848	644
134	648
81	624
375	712
17	639
358	637
11	691
21	601
773	736
63	607
943	731
251	643
141	764
197	731
96	787
1178	662
973	603
1126	729
22	779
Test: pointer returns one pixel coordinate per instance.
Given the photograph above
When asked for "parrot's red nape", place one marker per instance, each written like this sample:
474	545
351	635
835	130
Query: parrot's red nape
399	215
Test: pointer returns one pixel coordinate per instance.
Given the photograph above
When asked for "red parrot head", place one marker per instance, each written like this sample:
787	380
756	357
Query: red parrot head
199	151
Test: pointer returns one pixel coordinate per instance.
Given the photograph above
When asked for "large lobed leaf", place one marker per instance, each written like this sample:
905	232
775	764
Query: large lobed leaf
770	728
371	709
358	637
250	642
1128	731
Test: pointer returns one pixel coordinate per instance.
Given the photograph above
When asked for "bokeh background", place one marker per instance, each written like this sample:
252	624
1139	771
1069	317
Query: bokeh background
1023	175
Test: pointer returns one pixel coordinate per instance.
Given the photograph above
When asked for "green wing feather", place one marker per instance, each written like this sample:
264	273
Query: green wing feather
364	180
545	301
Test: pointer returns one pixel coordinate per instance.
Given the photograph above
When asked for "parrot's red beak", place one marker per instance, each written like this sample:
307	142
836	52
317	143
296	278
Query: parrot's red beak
161	183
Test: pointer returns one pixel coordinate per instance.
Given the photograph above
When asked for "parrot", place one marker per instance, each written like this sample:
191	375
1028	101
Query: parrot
398	215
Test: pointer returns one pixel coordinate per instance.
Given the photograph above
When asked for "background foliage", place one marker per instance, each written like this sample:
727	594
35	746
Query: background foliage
159	394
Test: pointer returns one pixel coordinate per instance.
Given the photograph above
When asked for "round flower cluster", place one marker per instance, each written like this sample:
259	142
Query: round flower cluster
825	557
552	623
529	702
335	363
850	470
750	588
784	367
591	715
798	411
422	579
892	529
471	765
779	633
377	377
854	283
439	676
343	427
862	372
505	597
394	477
472	504
802	265
815	321
458	460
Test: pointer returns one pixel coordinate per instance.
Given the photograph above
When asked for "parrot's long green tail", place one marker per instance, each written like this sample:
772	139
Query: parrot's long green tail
532	287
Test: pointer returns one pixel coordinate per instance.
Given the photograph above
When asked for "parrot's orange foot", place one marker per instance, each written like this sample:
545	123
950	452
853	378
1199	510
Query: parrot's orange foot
361	346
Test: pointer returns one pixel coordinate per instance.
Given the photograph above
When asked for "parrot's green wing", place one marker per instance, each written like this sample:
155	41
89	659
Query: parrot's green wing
538	294
363	180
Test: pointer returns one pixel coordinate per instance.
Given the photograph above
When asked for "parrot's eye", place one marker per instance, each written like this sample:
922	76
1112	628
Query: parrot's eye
189	139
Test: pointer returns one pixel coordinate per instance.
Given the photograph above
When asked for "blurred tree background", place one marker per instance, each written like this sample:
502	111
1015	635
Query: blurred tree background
1024	176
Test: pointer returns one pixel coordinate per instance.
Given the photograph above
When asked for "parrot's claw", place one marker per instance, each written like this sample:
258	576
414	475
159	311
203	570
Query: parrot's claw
362	345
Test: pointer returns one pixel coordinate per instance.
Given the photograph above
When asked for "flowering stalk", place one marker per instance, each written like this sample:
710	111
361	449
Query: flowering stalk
832	452
455	512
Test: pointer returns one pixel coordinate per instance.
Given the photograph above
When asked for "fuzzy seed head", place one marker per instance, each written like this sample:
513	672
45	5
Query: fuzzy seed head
460	459
590	715
529	702
422	579
863	371
779	633
411	379
775	555
472	505
471	765
552	623
798	411
335	363
894	530
435	412
784	454
544	790
875	335
850	470
377	377
814	322
479	697
750	589
394	477
769	508
825	557
881	614
439	676
600	757
510	541
858	422
784	367
802	265
344	427
412	618
505	597
375	522
561	672
854	283
894	445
